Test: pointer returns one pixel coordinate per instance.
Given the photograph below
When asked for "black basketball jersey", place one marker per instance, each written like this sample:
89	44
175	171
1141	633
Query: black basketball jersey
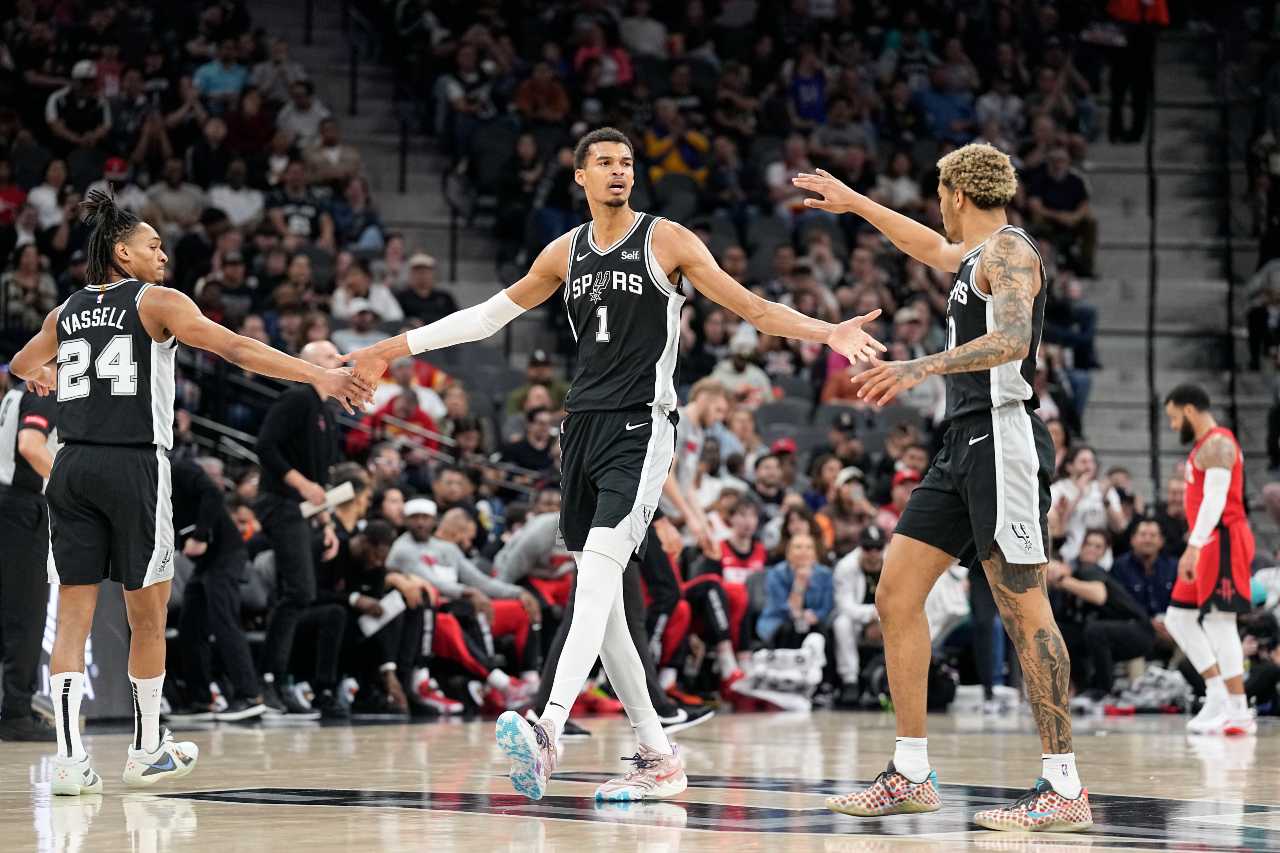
625	317
970	315
115	384
21	409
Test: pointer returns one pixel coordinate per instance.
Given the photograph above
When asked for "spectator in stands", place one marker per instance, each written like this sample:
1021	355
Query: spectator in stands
358	284
301	117
539	371
672	147
947	107
541	99
1101	622
220	80
250	130
799	596
78	117
1148	573
402	376
1171	513
208	159
420	298
749	385
176	204
904	483
767	486
243	204
533	451
466	97
1082	502
274	76
363	329
27	291
356	223
1002	105
298	216
45	197
1058	201
856	622
787	199
330	162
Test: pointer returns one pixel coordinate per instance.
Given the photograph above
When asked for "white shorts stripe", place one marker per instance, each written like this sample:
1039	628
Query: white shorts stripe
620	541
160	566
1017	466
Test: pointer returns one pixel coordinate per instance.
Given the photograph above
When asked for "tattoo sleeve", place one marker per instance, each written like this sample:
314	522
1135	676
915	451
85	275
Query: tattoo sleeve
1011	269
1216	452
1022	596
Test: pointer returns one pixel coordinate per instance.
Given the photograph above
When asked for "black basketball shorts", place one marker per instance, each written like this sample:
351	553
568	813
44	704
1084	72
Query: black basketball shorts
988	485
111	513
613	465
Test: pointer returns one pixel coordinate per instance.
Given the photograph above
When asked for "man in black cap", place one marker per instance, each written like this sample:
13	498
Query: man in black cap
856	622
843	442
539	372
26	420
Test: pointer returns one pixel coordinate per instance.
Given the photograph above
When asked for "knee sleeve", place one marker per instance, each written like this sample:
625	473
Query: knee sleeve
1224	639
1184	626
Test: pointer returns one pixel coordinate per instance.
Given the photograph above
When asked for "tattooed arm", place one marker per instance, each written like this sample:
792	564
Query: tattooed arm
1011	270
1216	457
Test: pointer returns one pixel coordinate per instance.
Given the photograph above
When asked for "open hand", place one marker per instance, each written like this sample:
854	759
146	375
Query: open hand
368	364
852	341
886	380
834	195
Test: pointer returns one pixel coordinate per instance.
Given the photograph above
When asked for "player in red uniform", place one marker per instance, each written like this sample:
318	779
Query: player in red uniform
1214	572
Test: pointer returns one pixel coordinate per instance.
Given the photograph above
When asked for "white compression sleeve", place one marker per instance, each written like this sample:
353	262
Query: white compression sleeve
470	324
1223	636
1217	482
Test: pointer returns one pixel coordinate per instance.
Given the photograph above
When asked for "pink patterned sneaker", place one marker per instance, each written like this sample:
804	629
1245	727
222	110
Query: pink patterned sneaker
890	793
1041	809
654	776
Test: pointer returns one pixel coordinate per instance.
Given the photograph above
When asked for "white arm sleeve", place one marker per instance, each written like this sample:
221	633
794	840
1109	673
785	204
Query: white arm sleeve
469	324
1217	481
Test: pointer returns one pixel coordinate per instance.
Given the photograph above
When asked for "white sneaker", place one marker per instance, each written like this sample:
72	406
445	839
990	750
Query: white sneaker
1236	725
172	760
655	776
1210	721
71	778
531	749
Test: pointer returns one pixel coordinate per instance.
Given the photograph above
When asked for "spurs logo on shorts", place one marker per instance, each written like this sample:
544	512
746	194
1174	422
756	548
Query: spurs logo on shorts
1024	536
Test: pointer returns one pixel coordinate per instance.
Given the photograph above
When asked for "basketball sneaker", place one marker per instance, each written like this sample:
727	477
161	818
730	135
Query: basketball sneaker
173	760
654	776
686	718
1211	720
1236	725
1041	809
427	694
72	777
532	750
890	793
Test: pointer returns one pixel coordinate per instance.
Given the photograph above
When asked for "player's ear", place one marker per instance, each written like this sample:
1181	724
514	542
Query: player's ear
579	177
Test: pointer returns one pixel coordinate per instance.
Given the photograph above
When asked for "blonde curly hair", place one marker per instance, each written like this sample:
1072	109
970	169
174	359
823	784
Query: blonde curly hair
982	172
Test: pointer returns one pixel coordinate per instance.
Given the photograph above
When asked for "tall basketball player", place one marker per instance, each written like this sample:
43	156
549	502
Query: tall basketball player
1214	572
109	352
619	273
987	490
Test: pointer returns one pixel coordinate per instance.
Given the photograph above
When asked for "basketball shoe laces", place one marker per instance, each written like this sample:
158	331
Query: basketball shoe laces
1027	802
641	765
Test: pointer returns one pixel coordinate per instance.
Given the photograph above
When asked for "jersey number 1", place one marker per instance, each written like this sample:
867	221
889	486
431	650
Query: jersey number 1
115	363
602	329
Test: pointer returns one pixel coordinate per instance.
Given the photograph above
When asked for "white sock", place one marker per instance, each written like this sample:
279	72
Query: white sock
724	655
911	758
498	679
599	580
1237	705
66	689
1060	771
146	712
1215	690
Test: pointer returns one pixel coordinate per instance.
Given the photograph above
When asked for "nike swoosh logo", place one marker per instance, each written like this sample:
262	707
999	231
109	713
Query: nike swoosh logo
974	441
631	426
161	767
667	776
679	717
580	257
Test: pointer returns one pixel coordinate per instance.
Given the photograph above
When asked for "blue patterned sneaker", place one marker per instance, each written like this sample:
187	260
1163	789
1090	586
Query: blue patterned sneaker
532	750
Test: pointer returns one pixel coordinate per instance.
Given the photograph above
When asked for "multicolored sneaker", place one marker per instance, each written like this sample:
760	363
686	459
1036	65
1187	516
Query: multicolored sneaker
171	760
532	750
1041	809
890	793
655	776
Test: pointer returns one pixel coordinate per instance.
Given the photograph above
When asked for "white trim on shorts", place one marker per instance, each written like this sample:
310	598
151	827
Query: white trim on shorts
1017	466
160	566
619	542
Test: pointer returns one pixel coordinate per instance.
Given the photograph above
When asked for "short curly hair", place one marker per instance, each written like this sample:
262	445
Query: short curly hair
982	172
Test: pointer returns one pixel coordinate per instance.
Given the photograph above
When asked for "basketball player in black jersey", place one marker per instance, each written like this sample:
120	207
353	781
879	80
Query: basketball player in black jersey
108	352
986	495
620	274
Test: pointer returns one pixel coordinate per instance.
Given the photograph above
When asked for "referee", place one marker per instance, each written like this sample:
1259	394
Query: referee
26	420
297	445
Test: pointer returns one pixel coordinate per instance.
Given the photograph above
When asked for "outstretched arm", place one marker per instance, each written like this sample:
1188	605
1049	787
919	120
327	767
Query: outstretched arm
679	248
475	323
174	310
1012	271
920	242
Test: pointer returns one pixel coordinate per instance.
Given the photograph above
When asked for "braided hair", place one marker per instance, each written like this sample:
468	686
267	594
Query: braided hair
111	224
